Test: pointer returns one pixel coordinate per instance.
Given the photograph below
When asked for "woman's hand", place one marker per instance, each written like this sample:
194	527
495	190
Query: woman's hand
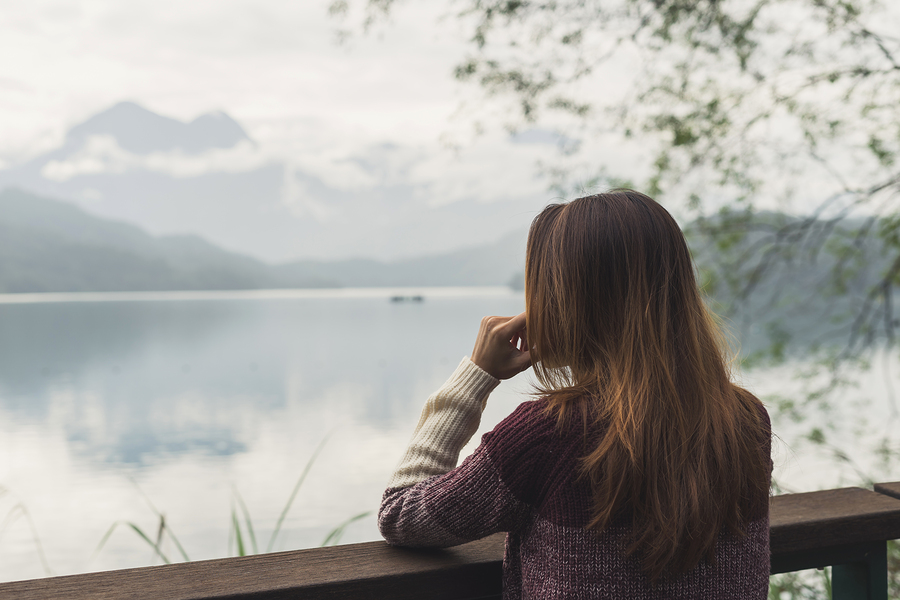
501	348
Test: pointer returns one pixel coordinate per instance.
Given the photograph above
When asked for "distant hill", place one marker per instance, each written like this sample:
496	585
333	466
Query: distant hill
52	246
47	245
491	264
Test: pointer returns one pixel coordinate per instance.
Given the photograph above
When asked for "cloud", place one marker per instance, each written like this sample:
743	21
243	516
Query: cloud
491	170
336	169
301	200
101	154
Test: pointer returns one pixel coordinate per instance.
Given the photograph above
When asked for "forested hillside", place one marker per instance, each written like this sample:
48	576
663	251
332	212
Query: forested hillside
52	246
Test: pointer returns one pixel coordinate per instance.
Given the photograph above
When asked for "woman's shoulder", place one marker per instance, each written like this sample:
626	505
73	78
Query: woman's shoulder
532	453
531	412
530	423
755	412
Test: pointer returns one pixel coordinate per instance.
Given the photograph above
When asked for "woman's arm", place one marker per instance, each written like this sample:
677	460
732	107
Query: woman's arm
449	419
428	502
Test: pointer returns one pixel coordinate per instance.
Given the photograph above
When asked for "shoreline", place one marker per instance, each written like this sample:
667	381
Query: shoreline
254	294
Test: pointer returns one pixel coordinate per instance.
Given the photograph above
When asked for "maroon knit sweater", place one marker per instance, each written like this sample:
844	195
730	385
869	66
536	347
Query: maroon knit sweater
522	479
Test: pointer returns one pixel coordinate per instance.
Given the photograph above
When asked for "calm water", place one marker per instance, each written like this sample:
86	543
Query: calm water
109	403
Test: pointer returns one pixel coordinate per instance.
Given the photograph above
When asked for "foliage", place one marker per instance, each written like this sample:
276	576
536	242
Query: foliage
237	534
801	585
722	89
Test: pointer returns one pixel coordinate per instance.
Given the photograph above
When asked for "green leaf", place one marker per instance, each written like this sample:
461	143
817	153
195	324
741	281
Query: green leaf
239	539
247	520
163	525
816	436
147	539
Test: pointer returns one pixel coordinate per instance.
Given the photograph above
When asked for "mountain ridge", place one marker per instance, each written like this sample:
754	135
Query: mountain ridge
48	245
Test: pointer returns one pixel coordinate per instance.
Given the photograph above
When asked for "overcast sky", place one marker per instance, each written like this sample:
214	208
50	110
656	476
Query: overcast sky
272	65
309	103
265	62
276	68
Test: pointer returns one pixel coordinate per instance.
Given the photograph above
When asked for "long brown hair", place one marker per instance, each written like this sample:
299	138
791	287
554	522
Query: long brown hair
621	337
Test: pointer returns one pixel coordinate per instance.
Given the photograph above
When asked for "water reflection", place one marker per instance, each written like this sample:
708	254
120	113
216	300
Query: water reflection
191	398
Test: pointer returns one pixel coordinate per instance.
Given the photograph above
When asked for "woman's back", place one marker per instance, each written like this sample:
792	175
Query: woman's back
524	479
642	472
558	557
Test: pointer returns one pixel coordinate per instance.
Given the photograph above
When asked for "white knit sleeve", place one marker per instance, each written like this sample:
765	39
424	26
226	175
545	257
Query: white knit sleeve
449	420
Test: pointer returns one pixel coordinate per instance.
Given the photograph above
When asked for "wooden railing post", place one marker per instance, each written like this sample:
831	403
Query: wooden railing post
863	580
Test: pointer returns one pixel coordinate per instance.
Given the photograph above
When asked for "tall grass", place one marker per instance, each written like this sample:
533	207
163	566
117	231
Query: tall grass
155	543
241	533
19	511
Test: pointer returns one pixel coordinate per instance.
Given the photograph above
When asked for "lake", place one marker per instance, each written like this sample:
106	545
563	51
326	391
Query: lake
116	406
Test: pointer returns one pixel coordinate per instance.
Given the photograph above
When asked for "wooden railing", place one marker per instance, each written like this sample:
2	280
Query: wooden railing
847	528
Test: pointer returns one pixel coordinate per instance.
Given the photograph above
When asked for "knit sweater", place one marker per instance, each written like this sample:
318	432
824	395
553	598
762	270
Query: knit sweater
522	479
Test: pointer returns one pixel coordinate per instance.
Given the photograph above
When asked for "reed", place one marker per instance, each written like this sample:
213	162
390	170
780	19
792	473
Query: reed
19	511
241	533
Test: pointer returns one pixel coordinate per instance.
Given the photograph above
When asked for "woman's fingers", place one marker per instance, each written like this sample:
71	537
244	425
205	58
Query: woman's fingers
515	327
514	324
519	341
498	349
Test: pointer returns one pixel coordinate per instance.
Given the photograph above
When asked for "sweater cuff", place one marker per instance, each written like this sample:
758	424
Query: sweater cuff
449	418
470	381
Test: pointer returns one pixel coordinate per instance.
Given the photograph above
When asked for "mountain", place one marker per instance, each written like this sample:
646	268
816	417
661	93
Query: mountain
51	246
142	132
207	177
47	245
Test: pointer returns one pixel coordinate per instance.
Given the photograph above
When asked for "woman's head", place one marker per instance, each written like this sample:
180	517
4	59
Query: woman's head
606	276
619	332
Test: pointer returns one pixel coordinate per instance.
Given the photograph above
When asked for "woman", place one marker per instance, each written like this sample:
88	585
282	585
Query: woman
641	471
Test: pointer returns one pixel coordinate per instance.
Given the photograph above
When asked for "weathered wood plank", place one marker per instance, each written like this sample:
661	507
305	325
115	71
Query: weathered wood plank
368	570
889	489
815	520
799	523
